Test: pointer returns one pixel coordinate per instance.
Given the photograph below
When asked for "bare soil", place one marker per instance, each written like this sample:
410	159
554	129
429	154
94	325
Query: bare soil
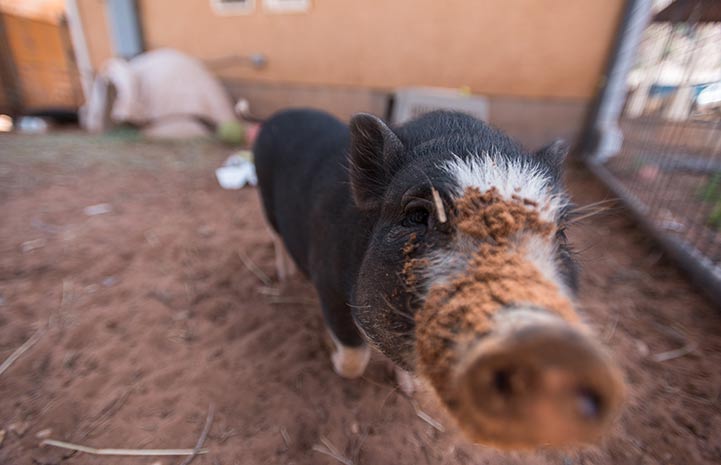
148	315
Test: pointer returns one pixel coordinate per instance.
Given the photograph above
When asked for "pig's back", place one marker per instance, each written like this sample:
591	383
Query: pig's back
300	159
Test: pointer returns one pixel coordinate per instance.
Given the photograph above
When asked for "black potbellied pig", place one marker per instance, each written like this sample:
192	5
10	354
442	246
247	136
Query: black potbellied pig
441	244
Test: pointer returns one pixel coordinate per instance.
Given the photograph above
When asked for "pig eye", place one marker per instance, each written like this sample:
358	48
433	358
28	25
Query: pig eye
416	217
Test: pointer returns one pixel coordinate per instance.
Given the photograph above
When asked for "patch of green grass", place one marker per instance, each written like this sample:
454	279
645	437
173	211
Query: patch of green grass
121	147
124	133
711	193
712	189
714	218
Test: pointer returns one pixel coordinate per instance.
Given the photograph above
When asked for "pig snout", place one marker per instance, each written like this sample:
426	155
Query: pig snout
500	340
516	375
535	379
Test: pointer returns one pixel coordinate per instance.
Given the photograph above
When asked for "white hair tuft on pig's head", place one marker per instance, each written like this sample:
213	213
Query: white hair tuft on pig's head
511	177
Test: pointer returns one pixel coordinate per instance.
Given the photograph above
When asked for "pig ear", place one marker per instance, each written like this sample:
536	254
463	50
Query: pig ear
554	155
373	148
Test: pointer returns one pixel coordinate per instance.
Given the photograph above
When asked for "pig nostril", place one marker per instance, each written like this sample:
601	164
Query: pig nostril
502	382
589	404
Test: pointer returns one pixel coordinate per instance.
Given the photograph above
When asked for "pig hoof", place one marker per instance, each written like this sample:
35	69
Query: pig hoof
350	362
406	381
284	266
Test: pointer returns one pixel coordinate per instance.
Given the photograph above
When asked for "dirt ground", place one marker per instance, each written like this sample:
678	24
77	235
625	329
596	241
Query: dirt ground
146	315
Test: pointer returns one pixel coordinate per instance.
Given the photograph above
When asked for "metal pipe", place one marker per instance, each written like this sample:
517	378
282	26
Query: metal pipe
80	46
125	28
604	138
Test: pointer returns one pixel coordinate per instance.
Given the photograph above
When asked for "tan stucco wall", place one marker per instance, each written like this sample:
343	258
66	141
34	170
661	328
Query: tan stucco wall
93	16
539	61
549	48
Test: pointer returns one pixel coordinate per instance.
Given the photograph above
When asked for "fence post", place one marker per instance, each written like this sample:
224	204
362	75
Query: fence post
604	138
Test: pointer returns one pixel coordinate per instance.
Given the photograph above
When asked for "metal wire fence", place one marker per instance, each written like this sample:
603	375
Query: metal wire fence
669	167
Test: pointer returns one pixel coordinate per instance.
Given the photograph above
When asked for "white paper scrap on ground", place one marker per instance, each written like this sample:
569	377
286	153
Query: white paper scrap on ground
99	209
236	172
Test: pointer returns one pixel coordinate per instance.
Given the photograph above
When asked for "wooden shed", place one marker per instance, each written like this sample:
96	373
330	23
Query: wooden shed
37	66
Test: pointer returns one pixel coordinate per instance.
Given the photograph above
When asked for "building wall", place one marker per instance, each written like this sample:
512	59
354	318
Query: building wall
550	48
533	121
546	56
93	15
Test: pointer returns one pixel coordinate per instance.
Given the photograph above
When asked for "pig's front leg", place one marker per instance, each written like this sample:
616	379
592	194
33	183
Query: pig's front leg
407	381
349	361
284	265
350	354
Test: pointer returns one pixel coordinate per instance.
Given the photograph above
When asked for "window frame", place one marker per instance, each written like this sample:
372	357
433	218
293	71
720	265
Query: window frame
287	6
242	7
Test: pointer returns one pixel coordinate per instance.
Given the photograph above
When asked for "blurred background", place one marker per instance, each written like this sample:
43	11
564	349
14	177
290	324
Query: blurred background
125	129
537	65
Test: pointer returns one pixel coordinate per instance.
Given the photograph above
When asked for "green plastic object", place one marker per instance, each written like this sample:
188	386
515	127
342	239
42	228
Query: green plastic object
231	132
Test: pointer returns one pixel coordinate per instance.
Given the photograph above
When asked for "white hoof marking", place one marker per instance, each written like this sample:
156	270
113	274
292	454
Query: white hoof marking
406	381
350	362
